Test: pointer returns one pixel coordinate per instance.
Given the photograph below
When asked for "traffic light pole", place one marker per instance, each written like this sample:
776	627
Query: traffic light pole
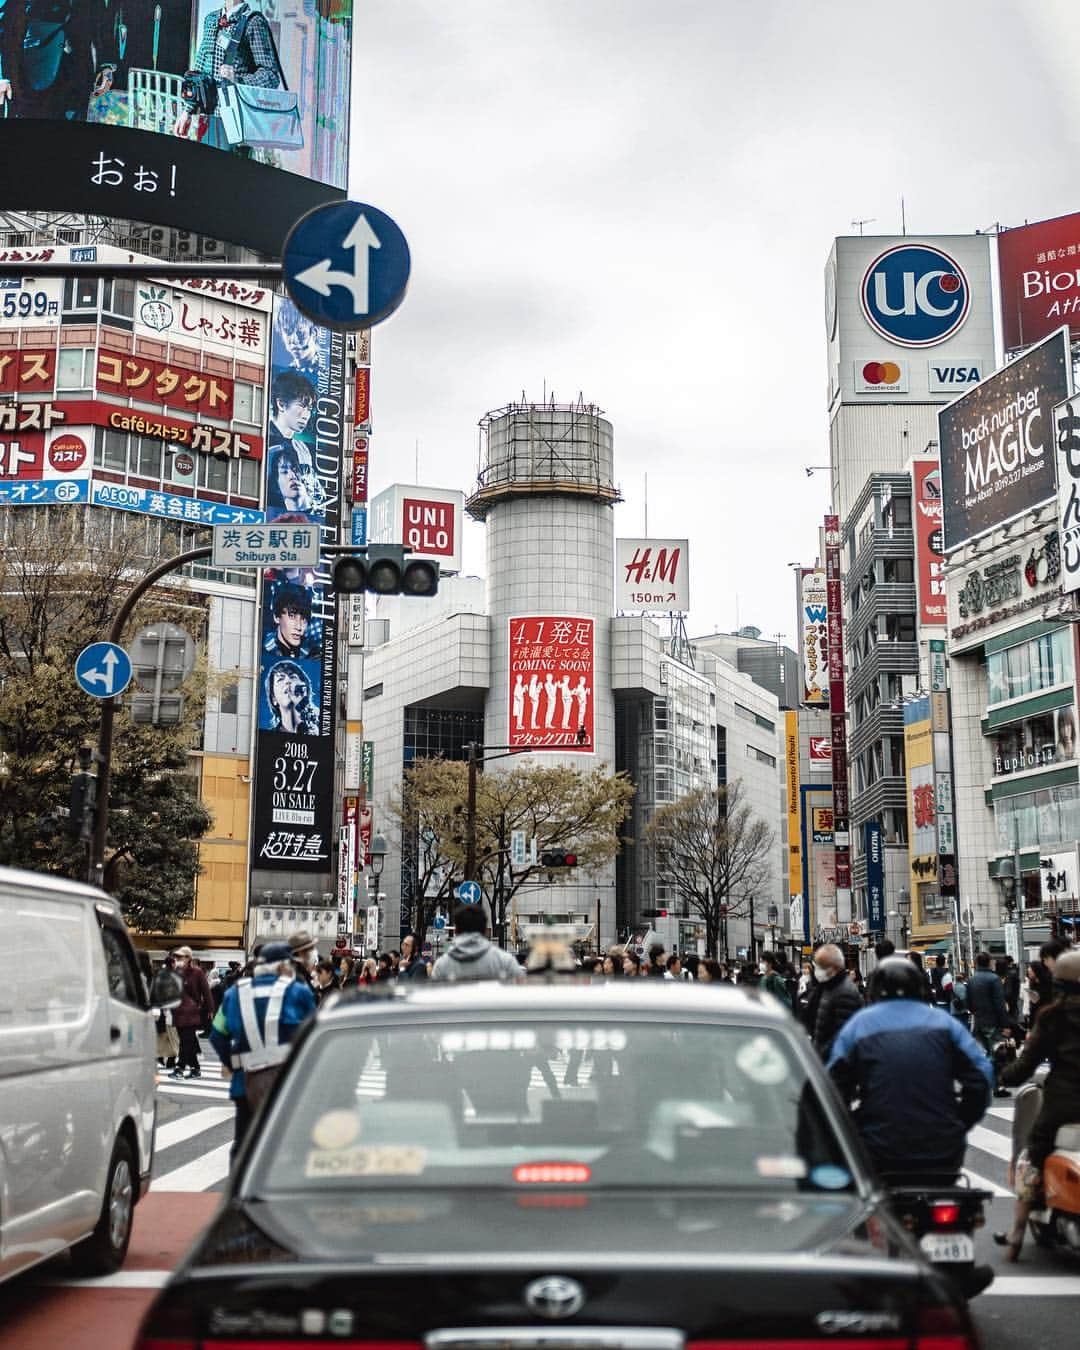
96	864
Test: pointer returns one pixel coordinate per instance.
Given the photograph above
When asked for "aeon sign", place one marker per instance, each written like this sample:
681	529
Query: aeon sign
915	295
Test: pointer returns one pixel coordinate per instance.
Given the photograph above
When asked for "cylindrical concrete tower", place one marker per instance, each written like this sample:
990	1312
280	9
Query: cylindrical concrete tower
546	491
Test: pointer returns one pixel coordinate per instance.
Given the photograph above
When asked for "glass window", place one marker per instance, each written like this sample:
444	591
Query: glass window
213	473
118	297
246	477
247	402
150	455
110	449
1030	667
686	1105
124	981
80	293
75	368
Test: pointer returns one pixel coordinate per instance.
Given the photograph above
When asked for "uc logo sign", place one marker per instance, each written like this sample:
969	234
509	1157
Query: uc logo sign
915	295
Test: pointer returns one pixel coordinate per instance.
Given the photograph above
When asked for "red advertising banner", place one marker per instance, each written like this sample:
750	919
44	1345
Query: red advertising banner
838	720
137	377
1040	280
359	469
207	440
929	543
362	403
551	688
27	458
28	372
427	527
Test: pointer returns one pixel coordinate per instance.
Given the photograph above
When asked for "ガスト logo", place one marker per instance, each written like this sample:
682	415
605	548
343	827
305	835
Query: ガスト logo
915	295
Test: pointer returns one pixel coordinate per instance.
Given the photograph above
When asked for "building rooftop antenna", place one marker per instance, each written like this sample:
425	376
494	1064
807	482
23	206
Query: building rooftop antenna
858	224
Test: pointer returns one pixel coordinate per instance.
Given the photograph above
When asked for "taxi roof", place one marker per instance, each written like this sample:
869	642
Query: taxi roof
562	994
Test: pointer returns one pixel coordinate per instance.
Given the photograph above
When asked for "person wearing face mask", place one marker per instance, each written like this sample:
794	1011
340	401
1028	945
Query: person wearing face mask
305	953
836	998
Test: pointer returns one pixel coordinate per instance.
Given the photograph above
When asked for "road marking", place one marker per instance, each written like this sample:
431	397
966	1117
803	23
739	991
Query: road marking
984	1184
1002	1112
988	1142
217	1094
123	1279
198	1175
176	1131
1034	1286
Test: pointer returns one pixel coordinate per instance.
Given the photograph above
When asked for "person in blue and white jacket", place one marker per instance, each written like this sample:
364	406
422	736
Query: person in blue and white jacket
254	1027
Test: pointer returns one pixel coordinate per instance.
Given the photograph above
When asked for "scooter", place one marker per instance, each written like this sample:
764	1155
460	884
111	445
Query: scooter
942	1216
1057	1224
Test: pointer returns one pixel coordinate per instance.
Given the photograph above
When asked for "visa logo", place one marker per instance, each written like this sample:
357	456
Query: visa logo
947	378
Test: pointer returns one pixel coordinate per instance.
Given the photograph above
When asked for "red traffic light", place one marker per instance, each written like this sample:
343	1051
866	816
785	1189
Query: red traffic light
570	860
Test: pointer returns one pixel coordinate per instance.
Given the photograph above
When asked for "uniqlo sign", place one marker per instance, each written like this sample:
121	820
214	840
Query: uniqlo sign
551	694
427	527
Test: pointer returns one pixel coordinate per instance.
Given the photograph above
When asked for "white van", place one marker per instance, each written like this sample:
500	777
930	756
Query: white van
77	1073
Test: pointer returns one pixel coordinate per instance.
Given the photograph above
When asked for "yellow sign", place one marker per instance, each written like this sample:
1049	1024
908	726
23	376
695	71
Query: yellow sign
794	815
922	814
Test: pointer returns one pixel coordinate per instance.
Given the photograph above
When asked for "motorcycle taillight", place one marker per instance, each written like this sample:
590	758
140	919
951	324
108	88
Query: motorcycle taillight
944	1214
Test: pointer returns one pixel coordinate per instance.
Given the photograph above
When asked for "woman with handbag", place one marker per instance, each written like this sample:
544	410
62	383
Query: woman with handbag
237	53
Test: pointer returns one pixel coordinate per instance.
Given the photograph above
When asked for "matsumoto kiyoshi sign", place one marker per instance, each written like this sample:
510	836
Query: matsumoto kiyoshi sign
915	295
996	442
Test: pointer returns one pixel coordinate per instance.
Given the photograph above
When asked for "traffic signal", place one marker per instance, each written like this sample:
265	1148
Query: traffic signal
384	569
558	857
654	914
83	806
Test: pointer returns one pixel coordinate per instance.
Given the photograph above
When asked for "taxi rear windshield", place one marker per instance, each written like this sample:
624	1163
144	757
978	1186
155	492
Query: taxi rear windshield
550	1104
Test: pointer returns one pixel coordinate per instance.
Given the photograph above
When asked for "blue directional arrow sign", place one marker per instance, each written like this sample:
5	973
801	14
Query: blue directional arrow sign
469	892
346	265
103	669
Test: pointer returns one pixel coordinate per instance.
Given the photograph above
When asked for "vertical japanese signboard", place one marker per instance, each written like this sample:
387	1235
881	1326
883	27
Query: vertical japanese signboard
794	814
814	636
838	718
929	543
551	694
294	757
922	806
1067	440
875	878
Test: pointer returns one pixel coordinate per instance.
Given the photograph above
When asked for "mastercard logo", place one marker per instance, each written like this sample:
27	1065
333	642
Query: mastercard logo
881	372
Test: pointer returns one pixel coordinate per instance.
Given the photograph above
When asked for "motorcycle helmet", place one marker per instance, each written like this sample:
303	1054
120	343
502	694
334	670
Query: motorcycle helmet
896	977
1067	975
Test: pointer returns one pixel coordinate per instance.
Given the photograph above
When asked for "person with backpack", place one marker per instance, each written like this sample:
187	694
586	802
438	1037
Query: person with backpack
772	978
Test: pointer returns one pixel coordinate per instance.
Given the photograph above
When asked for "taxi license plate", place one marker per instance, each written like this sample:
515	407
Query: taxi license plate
948	1246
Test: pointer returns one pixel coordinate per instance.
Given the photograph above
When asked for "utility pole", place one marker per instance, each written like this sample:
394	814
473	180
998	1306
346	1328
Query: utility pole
470	816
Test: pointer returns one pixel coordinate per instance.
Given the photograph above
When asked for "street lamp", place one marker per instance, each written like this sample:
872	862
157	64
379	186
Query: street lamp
378	850
772	915
903	908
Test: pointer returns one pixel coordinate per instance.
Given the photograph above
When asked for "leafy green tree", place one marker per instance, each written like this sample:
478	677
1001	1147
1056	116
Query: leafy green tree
557	805
59	590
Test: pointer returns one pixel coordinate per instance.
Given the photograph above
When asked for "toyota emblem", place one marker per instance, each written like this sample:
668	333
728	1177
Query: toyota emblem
554	1297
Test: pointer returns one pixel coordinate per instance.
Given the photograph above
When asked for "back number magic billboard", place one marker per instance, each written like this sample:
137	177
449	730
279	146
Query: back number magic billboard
997	442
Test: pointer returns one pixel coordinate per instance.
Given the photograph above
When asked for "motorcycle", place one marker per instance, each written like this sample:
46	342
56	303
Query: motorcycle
1057	1224
942	1215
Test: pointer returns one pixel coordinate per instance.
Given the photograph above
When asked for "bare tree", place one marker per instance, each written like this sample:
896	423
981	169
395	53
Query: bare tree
713	850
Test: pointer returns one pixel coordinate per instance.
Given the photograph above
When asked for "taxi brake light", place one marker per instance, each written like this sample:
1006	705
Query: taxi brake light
552	1173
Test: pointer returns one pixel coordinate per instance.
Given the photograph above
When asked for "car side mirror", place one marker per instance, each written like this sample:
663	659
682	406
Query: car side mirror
166	989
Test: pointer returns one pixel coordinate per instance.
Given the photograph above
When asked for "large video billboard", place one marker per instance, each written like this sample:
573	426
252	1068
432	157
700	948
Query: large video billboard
997	441
294	757
117	103
552	678
1040	280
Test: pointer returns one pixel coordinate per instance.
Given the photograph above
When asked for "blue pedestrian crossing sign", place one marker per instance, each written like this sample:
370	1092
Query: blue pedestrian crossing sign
103	669
469	892
346	265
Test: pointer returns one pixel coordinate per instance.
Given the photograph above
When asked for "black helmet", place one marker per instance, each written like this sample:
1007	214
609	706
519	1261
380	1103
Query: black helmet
896	977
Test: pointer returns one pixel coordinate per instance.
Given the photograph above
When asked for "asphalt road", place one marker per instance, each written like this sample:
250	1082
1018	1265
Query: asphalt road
1035	1303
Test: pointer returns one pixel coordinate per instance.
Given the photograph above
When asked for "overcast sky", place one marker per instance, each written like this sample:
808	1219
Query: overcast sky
635	201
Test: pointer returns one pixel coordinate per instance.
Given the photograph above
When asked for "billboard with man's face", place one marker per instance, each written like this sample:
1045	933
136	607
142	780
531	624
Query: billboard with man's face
296	705
264	84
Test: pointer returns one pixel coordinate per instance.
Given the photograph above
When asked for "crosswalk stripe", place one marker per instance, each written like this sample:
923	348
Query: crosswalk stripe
1034	1286
215	1094
1002	1112
176	1131
986	1141
985	1184
197	1175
